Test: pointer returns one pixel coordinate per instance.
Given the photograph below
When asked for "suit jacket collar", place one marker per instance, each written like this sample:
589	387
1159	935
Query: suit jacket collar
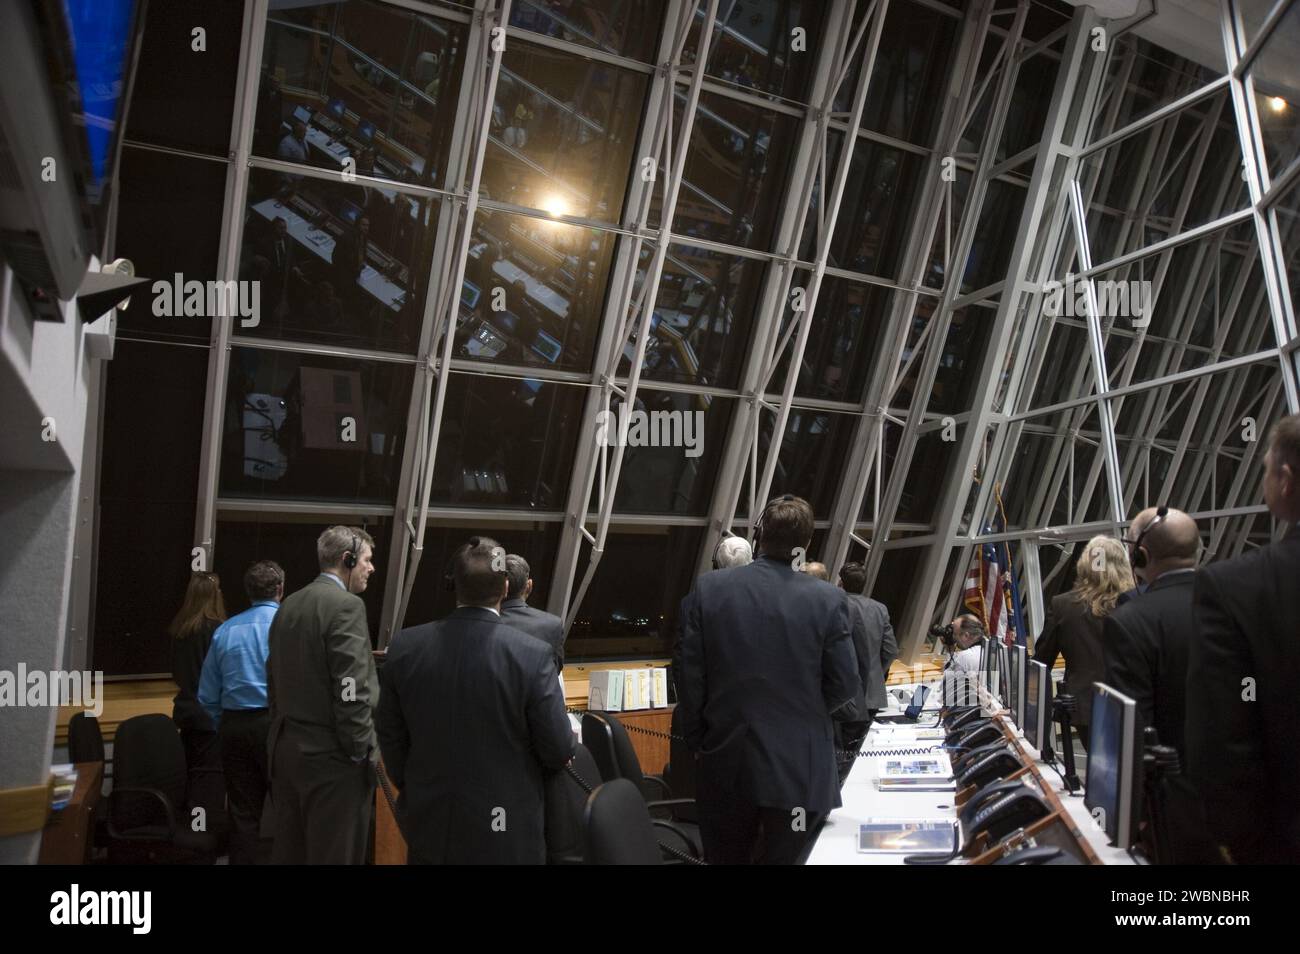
474	612
513	603
1173	578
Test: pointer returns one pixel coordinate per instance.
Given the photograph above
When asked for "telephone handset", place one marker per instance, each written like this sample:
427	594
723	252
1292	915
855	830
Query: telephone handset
966	759
973	736
987	767
964	717
1044	855
982	797
1008	812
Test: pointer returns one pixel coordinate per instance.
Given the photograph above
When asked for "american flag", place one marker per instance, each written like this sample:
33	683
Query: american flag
991	592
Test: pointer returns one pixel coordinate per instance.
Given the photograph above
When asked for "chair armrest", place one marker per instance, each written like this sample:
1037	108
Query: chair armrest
654	787
669	807
687	848
170	813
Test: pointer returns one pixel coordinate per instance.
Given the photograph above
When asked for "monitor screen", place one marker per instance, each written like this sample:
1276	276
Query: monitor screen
366	131
992	654
1037	674
469	293
1110	783
350	212
335	108
1016	684
548	347
302	114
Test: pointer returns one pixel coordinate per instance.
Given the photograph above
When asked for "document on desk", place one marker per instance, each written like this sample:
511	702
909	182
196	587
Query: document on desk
911	836
936	766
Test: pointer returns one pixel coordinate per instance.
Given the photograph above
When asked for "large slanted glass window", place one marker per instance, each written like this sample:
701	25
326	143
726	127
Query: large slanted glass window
674	450
735	170
533	292
337	263
563	133
623	27
360	86
842	341
702	319
507	442
811	462
754	44
632	605
313	427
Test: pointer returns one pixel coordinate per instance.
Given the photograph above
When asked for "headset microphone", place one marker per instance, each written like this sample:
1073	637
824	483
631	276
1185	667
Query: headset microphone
1138	556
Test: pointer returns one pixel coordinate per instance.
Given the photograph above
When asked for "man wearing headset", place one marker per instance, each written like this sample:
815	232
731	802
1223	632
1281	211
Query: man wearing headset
1147	643
322	690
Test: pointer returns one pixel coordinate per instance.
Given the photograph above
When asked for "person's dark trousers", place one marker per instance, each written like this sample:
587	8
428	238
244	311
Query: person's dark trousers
323	805
849	737
205	786
737	832
243	760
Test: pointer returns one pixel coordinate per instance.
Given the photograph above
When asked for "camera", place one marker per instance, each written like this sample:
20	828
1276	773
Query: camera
945	635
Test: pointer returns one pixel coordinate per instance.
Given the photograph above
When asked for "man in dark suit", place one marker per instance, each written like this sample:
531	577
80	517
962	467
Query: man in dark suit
876	649
1243	748
1147	643
515	610
470	717
277	251
763	660
321	688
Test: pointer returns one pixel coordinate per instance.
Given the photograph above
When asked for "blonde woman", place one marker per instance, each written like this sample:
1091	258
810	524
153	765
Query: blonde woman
1074	623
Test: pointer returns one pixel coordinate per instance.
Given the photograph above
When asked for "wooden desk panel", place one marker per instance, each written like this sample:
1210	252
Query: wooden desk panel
652	751
66	839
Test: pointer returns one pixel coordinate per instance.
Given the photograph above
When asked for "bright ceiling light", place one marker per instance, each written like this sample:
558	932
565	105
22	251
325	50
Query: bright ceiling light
1277	103
555	205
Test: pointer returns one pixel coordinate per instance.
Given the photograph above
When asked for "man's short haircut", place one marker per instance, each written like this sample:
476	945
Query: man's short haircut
813	568
518	574
477	583
262	580
853	577
338	540
970	623
787	523
1284	441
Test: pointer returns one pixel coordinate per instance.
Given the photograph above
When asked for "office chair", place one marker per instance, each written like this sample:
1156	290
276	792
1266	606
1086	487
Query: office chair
149	817
615	756
86	744
616	827
565	802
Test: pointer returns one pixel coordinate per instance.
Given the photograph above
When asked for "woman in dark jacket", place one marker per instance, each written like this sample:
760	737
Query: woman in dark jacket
1074	623
191	631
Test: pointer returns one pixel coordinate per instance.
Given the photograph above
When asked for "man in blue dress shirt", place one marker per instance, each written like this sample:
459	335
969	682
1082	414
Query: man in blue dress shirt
232	690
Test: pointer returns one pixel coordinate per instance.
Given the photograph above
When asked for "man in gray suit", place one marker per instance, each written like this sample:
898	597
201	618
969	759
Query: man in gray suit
876	650
516	612
322	689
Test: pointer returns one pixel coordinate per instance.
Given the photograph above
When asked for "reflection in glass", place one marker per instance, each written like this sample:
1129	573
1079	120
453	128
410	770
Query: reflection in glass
312	426
842	340
507	443
811	462
1278	93
624	27
670	467
753	47
563	133
290	540
359	85
337	262
735	169
533	292
702	318
536	542
616	619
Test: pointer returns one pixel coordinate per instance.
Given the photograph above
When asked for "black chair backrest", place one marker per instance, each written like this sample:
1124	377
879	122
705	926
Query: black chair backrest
681	765
598	737
147	753
617	828
565	800
629	766
85	740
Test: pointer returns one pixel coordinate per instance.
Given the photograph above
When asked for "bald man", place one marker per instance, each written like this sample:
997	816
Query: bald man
1147	643
1243	747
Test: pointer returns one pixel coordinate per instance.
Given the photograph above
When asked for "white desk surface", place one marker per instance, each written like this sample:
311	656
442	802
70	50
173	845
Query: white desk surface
321	244
837	841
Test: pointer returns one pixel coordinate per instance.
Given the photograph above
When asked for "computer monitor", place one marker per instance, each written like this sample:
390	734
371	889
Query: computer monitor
548	347
366	131
335	108
1113	760
1038	704
469	293
302	114
349	212
1016	684
989	664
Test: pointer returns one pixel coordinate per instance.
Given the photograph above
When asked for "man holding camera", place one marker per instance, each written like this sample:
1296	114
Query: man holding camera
961	642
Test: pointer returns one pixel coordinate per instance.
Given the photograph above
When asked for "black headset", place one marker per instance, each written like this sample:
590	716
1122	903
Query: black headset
1138	556
350	556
